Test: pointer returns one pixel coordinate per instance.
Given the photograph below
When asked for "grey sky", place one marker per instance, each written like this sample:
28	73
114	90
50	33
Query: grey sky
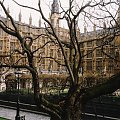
45	4
15	9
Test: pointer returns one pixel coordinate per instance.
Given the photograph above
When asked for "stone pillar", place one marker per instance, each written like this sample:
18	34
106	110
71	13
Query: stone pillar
117	62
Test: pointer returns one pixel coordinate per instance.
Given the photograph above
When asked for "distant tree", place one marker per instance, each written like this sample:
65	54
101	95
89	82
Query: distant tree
77	96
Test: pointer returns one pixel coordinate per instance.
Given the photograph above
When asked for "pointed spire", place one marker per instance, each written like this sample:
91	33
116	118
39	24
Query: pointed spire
104	25
118	15
20	16
30	20
55	7
94	27
85	29
39	22
8	10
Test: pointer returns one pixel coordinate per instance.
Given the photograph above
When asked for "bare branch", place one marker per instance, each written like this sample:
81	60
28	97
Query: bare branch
26	6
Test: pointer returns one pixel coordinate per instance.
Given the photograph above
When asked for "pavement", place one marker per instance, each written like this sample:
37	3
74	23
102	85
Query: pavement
11	113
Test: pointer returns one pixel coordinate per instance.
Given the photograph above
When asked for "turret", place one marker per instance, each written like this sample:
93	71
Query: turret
30	20
40	22
94	28
85	29
55	7
20	16
54	18
118	15
8	11
104	25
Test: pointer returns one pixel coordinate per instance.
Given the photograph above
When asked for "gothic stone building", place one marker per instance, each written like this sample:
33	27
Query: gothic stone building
93	62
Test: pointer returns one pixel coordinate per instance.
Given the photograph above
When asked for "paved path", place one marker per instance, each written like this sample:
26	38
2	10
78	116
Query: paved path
11	113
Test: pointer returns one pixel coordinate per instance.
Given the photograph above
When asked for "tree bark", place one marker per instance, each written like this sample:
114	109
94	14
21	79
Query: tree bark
72	113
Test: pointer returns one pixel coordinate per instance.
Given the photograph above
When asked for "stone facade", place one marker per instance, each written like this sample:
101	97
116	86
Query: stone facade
93	62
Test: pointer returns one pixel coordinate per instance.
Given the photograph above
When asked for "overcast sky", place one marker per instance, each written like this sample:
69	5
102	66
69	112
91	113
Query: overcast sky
15	9
45	4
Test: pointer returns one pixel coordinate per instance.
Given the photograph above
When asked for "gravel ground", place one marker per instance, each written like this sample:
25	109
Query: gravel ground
10	114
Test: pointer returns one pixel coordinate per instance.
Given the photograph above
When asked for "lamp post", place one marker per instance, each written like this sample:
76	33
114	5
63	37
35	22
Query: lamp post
17	75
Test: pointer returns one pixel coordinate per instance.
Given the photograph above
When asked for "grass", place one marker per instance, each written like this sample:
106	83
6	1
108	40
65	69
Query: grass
1	118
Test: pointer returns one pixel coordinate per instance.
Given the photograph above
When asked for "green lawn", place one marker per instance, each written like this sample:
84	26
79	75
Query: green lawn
1	118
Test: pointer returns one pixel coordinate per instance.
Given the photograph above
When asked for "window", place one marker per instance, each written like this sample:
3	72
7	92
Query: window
43	51
50	65
98	53
1	32
82	53
51	62
89	53
111	66
51	52
89	65
58	66
43	64
89	44
98	43
82	45
99	65
12	46
43	40
1	45
112	52
59	54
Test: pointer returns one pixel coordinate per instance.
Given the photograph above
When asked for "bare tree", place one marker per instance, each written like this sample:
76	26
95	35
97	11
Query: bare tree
71	107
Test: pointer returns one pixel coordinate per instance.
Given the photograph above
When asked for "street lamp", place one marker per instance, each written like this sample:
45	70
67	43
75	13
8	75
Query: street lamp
18	73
